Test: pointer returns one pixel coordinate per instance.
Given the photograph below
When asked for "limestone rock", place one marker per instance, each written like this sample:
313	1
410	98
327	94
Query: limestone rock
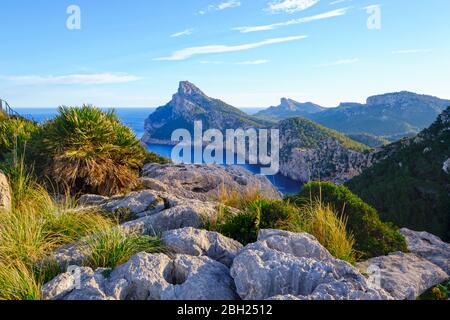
446	166
429	247
5	193
196	242
92	200
204	182
404	276
268	269
136	202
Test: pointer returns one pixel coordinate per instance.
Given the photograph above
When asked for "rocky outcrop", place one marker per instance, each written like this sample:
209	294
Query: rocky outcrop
5	193
287	264
147	277
205	182
196	242
428	247
329	161
190	104
446	166
405	276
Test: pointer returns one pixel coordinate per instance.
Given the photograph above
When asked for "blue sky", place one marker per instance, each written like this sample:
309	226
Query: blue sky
249	53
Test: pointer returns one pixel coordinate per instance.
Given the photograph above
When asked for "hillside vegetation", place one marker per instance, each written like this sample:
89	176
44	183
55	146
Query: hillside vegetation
411	187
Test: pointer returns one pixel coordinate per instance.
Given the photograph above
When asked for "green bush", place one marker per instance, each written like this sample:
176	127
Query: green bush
87	150
14	134
373	237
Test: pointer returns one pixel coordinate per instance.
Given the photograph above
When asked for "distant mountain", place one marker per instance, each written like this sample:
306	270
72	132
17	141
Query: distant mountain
392	116
190	104
288	109
310	151
410	185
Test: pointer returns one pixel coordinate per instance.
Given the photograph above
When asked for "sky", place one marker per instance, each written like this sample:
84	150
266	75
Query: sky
249	53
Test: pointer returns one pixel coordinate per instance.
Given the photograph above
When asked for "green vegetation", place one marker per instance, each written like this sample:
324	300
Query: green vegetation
372	237
369	139
440	292
34	227
14	134
315	218
87	150
110	247
303	133
409	187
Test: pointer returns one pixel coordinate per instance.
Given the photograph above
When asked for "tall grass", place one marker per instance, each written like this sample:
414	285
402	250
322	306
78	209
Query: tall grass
330	229
111	247
236	199
35	226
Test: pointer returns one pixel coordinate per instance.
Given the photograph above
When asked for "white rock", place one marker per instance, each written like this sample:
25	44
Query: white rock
429	247
196	242
446	166
268	269
204	182
136	202
92	200
405	276
5	193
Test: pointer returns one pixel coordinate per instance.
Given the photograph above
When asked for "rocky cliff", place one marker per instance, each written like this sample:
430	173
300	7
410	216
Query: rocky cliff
190	104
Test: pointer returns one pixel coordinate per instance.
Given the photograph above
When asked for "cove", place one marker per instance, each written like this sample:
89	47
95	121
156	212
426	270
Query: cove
283	184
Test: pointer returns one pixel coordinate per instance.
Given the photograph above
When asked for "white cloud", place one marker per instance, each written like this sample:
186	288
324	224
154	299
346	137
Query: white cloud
291	6
86	79
211	62
221	6
411	51
340	62
321	16
253	62
338	1
186	32
212	49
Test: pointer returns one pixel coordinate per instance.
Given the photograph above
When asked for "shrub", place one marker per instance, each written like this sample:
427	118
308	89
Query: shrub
14	134
236	199
440	292
373	237
88	151
110	248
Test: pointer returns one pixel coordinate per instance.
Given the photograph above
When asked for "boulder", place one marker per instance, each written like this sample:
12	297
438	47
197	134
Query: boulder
429	247
280	264
191	214
136	202
196	242
404	276
5	193
147	277
205	182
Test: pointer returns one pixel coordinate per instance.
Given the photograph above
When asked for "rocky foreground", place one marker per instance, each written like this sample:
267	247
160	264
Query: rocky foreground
203	265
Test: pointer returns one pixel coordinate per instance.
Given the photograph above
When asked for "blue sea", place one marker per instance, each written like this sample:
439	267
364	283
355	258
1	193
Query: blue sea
135	118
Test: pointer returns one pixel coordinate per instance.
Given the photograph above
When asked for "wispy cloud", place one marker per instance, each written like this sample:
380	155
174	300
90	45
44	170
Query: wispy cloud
186	32
339	63
290	6
321	16
80	79
253	62
411	51
221	6
338	2
213	49
211	62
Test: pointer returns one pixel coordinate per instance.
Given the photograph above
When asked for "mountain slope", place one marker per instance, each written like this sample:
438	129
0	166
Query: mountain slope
392	115
190	104
310	151
288	109
411	186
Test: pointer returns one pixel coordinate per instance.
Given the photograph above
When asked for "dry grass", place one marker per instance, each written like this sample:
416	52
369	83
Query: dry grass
236	199
34	227
329	229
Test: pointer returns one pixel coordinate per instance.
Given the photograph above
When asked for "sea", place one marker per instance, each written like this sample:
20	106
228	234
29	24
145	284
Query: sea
135	118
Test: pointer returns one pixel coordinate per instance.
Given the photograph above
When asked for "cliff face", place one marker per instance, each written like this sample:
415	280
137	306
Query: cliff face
312	152
329	161
190	104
